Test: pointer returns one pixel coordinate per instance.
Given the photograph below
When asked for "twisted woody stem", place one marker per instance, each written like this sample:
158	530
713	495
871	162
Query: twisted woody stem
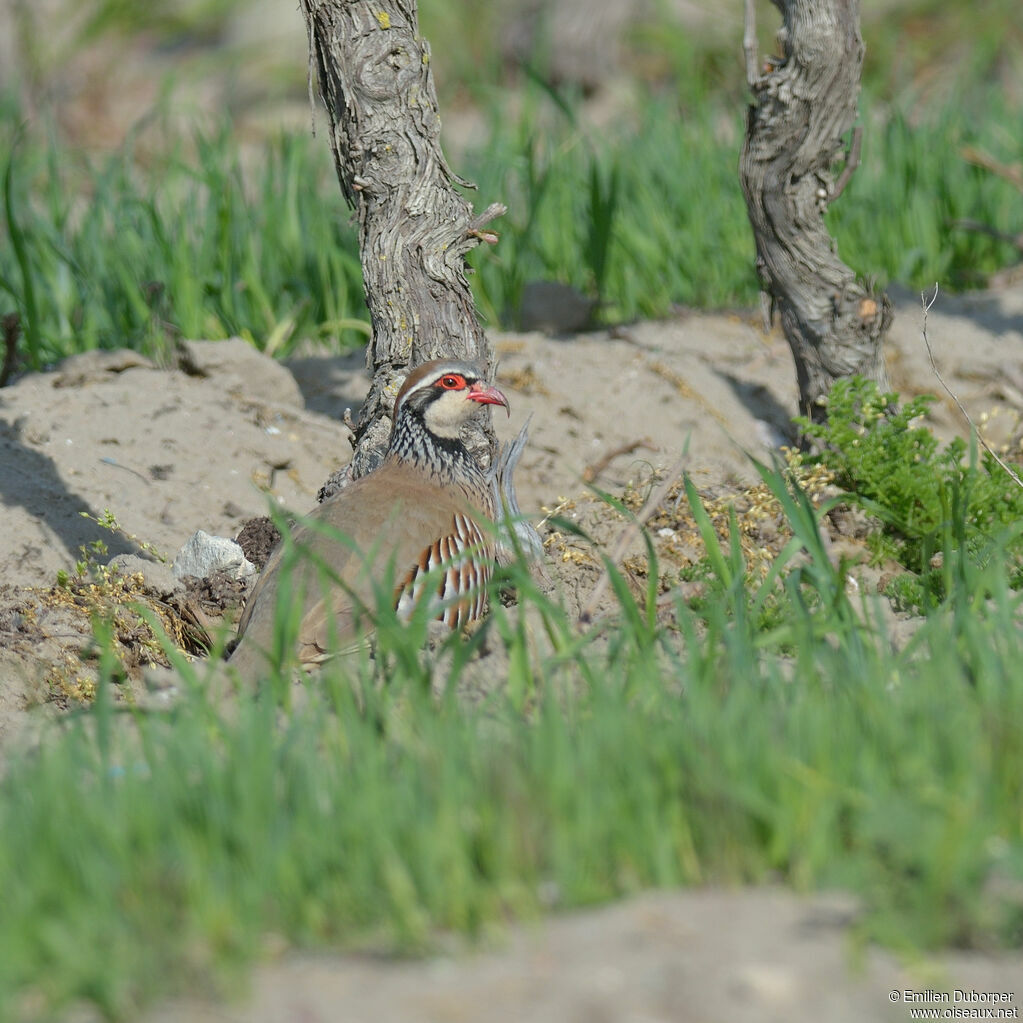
415	228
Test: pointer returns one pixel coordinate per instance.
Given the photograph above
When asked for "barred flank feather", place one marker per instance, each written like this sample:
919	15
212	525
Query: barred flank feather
459	565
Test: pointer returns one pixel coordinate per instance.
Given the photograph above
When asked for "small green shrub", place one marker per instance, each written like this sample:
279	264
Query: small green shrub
927	498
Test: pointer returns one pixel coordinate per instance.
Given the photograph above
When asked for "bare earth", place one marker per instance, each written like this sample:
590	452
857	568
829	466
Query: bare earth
199	445
755	956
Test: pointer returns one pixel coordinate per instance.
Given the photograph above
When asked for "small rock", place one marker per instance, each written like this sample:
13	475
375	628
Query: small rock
158	577
204	554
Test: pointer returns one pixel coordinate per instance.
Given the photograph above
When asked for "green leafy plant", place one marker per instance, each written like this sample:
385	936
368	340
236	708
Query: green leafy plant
927	498
109	521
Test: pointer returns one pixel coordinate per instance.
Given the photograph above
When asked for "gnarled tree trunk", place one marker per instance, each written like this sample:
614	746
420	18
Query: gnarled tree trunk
804	104
415	228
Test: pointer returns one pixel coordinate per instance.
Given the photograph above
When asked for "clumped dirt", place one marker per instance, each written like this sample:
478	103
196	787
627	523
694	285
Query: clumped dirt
49	656
217	594
257	538
109	449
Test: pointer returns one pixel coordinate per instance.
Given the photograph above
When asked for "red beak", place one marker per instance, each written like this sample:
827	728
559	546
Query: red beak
485	394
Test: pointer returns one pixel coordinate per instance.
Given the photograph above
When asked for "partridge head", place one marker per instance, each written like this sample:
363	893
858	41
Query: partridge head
419	520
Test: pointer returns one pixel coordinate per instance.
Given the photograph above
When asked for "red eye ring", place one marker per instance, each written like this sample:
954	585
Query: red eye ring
452	382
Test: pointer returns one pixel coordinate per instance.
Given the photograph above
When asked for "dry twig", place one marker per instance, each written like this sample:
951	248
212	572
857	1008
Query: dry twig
852	161
1011	172
749	44
927	303
981	228
594	469
10	328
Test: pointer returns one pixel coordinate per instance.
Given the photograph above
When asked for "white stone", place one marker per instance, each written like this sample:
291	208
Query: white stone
204	554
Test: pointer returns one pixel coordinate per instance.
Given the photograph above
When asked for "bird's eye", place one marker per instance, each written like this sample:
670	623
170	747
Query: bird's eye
452	382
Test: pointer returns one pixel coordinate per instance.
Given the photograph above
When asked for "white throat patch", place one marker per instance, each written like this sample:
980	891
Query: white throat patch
445	415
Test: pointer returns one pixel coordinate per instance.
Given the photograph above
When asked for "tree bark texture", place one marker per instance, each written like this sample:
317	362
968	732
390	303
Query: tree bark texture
415	228
804	103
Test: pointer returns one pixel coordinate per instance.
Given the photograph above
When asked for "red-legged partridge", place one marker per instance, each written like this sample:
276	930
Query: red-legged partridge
422	515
